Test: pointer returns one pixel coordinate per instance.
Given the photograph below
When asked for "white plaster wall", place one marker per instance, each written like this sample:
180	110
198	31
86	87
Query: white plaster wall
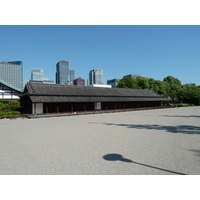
8	96
5	94
39	108
98	106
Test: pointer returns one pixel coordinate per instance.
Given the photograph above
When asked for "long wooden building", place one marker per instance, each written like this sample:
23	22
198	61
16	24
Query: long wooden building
52	98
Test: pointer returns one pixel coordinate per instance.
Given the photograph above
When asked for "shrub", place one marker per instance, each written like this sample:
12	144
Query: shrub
9	105
8	109
1	106
14	105
182	105
11	114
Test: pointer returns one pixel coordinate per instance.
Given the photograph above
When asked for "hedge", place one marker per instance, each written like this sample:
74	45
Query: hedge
11	114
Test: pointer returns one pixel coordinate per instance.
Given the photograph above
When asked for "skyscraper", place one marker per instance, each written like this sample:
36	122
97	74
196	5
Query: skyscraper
11	73
72	76
38	75
96	77
64	75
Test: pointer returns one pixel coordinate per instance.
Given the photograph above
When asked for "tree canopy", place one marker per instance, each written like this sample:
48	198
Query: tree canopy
170	87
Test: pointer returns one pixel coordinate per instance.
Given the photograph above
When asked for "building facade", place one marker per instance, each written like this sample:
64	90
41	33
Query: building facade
100	85
54	98
11	73
64	75
72	76
134	76
38	75
8	92
79	81
45	82
96	77
113	82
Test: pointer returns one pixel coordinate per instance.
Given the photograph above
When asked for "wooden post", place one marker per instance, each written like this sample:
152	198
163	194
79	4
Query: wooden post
35	108
72	109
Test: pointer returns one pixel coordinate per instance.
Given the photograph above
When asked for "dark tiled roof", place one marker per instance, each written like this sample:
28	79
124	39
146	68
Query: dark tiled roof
63	93
11	87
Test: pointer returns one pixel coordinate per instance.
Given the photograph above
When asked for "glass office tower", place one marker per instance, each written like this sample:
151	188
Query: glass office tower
64	75
38	75
11	73
72	76
96	77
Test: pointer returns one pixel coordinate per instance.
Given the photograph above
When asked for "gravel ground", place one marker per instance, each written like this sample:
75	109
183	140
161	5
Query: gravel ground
165	141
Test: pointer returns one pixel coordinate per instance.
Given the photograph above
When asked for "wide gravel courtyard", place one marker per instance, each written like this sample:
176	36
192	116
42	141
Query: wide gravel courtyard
165	141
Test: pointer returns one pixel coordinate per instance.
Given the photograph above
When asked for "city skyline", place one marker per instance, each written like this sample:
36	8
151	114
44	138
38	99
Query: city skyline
150	51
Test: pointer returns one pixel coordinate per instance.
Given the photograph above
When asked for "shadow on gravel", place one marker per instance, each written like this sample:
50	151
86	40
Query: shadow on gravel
196	152
185	129
185	116
118	157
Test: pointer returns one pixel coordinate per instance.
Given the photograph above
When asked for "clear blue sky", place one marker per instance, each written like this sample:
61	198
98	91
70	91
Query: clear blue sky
151	51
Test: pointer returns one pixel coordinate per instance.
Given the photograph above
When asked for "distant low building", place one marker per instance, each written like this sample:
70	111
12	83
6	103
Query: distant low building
44	82
135	76
113	82
79	81
8	91
100	85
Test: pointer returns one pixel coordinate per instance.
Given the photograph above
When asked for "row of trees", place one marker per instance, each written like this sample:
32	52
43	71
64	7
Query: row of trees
170	87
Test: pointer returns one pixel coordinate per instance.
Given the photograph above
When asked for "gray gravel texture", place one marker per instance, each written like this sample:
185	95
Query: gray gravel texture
153	142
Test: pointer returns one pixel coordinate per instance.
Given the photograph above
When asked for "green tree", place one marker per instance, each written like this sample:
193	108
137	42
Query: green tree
174	87
190	93
161	87
169	87
143	83
127	82
152	84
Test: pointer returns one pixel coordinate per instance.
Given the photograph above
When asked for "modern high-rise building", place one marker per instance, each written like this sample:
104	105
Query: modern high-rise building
11	73
96	77
64	75
72	76
38	75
